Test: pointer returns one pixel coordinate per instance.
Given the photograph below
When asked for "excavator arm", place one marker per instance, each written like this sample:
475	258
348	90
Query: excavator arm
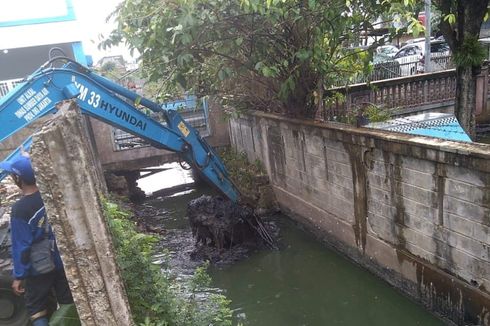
107	101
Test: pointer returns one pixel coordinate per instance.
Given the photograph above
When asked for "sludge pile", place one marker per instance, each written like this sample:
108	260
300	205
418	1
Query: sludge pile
221	224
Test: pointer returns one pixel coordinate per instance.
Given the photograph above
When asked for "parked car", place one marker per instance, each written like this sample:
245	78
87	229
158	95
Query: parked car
416	40
411	56
440	57
384	53
387	50
408	57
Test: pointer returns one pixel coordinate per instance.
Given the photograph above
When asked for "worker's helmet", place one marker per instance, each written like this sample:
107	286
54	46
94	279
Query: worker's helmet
21	167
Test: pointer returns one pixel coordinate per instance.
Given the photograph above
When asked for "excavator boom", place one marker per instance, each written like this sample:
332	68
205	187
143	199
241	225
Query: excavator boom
107	101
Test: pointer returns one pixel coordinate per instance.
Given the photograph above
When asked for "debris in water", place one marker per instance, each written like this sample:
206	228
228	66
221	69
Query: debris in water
222	224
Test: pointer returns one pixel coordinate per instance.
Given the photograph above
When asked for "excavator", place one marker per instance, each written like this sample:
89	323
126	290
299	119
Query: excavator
62	78
102	99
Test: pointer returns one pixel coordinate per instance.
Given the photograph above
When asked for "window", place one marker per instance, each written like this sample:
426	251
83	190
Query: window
411	51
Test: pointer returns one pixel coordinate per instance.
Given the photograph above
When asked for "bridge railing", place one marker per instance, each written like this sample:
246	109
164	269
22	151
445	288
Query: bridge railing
400	95
194	112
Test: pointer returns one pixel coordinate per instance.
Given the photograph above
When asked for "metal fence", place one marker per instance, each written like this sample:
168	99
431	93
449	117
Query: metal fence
421	90
194	112
401	67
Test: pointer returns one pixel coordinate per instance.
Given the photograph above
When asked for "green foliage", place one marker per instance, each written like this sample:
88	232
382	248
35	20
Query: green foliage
108	66
450	18
415	27
201	278
111	70
153	296
241	171
66	315
372	112
376	113
265	54
470	54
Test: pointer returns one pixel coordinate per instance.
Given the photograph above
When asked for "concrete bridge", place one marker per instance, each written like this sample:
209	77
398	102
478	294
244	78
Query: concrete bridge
120	151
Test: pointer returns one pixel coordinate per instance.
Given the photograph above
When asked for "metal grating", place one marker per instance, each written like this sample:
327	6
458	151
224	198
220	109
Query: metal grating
195	115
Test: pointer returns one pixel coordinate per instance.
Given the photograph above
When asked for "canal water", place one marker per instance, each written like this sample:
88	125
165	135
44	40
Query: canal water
302	283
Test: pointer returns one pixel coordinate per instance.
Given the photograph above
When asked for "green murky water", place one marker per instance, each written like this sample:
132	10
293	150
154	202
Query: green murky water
303	283
307	284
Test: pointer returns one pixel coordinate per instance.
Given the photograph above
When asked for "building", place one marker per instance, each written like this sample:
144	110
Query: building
29	29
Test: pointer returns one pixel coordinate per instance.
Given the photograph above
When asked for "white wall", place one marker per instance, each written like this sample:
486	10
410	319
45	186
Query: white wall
89	24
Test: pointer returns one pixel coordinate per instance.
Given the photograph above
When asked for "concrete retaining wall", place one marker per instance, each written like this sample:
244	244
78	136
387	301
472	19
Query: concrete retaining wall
413	210
71	184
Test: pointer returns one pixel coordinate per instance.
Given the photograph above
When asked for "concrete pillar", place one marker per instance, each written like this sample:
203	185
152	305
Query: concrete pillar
71	187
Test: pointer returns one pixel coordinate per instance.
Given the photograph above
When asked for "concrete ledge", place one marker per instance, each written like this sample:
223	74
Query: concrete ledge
457	153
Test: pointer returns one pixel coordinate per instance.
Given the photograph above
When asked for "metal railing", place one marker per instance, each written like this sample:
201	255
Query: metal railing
402	67
393	94
194	112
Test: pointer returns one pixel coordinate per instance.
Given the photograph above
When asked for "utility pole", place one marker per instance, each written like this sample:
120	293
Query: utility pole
427	36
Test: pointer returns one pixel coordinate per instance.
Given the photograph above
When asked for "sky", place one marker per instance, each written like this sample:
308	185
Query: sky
91	15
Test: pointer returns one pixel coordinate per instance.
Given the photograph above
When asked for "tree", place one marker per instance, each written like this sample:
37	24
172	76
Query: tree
460	25
273	55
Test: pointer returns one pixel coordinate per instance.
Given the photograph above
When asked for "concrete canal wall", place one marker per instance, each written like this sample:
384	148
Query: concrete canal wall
413	210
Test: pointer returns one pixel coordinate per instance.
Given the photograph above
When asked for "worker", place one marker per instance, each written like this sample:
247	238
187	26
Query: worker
38	269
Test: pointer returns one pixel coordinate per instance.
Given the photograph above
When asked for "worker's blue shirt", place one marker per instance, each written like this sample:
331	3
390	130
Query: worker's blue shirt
26	225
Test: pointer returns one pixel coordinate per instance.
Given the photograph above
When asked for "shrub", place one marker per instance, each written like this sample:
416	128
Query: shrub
154	297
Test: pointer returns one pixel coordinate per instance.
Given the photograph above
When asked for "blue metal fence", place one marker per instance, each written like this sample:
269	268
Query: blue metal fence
193	110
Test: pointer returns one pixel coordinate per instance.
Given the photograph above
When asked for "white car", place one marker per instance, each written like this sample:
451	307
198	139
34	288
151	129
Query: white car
440	57
411	57
385	53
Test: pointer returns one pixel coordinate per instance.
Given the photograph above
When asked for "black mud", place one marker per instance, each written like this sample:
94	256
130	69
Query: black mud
220	232
225	232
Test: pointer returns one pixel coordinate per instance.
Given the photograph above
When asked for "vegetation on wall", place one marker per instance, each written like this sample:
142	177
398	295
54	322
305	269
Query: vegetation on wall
242	172
153	295
363	115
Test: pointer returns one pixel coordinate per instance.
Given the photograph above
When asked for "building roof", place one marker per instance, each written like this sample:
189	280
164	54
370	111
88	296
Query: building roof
439	125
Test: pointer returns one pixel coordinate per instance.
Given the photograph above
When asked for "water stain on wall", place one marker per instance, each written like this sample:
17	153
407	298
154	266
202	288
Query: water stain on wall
277	156
359	182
